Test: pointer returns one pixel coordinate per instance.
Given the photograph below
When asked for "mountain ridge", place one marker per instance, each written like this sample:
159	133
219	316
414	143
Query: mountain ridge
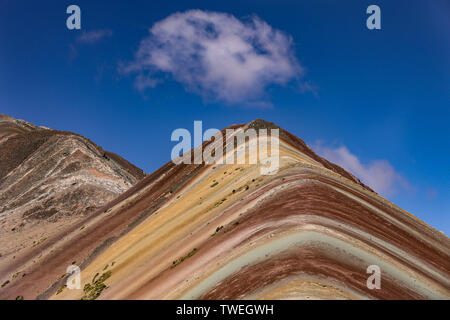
198	231
50	180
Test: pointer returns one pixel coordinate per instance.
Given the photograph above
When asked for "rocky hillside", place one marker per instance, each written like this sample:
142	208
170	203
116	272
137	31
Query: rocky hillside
50	180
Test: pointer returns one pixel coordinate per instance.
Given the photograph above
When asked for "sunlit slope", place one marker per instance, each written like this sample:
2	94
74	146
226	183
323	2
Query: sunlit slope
307	232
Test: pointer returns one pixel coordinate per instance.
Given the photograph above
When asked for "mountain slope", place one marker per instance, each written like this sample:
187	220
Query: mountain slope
49	181
309	231
224	231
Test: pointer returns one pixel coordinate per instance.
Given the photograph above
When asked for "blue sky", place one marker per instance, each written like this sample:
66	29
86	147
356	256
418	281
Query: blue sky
376	101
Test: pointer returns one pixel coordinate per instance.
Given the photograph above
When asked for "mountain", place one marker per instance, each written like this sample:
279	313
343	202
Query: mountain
307	230
49	182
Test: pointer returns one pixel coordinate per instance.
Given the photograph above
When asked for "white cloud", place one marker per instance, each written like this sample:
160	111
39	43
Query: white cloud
216	56
93	36
380	175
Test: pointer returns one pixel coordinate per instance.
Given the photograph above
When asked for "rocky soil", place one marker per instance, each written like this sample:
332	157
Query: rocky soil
50	180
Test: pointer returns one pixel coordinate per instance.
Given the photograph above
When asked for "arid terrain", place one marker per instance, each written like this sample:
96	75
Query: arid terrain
50	183
202	231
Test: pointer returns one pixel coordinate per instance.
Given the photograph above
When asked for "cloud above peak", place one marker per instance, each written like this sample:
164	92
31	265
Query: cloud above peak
380	175
217	56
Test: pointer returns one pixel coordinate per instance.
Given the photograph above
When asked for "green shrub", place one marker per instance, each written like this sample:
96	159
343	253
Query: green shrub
217	230
220	202
180	260
93	291
61	289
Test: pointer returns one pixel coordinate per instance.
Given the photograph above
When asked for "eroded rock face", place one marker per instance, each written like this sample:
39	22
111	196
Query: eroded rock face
50	179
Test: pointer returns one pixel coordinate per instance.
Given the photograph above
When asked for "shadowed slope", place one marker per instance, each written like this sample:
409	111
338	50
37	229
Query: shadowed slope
49	182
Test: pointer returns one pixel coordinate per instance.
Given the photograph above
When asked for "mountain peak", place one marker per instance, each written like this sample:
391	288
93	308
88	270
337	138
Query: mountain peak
50	180
211	231
262	124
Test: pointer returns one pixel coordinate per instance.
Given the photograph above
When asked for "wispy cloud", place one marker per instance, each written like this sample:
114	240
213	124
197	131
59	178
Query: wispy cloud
380	175
93	36
87	38
431	194
216	56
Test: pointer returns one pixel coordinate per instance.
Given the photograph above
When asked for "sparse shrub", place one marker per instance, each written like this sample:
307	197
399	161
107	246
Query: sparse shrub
220	202
180	260
61	289
217	230
39	242
93	291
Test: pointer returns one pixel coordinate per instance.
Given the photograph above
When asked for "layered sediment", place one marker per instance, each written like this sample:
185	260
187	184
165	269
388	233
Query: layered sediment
225	231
